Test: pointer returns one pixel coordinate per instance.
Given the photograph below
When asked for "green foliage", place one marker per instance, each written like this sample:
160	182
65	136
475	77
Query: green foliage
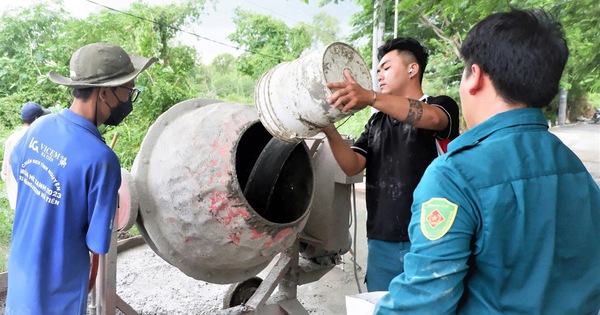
6	213
594	100
580	20
441	25
267	42
30	52
224	83
355	124
324	29
6	222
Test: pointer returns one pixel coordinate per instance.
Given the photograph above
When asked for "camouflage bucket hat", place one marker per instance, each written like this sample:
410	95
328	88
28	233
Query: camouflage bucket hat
101	64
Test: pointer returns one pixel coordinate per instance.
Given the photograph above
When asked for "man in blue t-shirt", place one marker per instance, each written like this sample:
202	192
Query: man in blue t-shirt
507	221
68	180
397	145
29	113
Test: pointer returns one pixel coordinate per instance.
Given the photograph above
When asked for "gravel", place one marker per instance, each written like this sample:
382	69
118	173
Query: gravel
150	285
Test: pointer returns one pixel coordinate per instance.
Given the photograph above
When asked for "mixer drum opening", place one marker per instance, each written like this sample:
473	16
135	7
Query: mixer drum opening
276	177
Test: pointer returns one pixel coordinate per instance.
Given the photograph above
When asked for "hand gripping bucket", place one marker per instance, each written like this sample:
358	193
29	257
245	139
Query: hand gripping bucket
291	98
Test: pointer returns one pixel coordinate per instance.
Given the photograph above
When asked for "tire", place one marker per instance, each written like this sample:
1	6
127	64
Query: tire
239	293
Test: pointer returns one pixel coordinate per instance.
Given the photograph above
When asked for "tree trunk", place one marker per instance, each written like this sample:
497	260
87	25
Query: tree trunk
562	106
378	32
562	103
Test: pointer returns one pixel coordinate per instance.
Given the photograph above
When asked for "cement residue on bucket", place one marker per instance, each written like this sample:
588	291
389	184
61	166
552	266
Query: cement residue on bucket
291	98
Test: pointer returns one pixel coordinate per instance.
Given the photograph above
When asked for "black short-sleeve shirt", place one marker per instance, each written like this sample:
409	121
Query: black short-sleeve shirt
397	155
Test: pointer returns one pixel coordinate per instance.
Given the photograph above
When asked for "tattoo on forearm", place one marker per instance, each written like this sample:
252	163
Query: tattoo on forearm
415	111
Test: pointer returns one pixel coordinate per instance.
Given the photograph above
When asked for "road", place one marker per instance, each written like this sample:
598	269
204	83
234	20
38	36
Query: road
584	139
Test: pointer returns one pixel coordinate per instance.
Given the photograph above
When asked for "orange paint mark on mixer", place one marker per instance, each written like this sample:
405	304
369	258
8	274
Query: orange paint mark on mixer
256	235
281	235
218	202
234	238
221	148
235	212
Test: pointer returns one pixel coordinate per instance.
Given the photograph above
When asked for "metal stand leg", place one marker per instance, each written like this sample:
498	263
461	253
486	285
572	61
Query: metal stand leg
107	301
285	276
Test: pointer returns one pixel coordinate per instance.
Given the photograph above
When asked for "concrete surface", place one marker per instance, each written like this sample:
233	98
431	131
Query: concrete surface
152	286
584	139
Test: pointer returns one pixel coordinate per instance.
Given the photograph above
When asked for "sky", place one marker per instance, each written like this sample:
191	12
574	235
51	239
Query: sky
218	24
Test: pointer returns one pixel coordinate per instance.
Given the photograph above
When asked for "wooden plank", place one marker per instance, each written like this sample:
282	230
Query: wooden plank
3	282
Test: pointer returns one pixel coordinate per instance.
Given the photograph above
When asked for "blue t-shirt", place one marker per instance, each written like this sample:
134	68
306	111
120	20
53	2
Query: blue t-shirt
68	180
505	223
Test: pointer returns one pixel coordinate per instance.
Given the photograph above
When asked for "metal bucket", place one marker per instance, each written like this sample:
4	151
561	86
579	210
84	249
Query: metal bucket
191	174
291	98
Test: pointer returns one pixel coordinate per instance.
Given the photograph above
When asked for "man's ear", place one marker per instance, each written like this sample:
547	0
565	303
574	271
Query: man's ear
474	80
102	93
414	67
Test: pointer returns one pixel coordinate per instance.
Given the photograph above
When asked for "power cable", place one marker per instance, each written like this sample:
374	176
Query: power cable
285	16
273	11
183	31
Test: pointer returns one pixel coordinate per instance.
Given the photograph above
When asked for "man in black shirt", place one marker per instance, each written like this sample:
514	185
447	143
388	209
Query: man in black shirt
397	145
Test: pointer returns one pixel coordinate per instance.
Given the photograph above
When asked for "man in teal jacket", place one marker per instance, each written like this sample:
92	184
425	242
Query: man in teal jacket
508	221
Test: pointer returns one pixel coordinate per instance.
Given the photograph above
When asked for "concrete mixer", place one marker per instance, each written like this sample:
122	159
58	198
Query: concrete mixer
226	197
219	195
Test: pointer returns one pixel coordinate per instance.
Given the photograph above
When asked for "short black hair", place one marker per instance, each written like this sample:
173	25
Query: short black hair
83	94
523	52
407	44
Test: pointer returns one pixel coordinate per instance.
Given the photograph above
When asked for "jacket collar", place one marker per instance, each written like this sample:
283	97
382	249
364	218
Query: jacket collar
508	119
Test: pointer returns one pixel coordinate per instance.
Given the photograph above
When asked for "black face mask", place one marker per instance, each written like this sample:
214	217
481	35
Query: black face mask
119	112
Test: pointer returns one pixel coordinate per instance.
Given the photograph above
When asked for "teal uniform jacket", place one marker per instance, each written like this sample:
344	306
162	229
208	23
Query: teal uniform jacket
507	222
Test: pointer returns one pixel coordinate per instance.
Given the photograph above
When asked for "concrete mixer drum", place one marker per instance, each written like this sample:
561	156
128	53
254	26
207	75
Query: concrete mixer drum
197	173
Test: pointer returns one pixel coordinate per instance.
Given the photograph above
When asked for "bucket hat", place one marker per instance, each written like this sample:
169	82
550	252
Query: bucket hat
101	64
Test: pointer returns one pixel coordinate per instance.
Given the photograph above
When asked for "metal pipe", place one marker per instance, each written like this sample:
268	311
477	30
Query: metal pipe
101	286
396	19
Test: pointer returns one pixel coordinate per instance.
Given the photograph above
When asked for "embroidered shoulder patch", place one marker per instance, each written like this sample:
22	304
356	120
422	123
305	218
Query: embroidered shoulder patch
437	217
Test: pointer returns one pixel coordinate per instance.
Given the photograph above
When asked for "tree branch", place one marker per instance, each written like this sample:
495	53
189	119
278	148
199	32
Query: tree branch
31	55
453	41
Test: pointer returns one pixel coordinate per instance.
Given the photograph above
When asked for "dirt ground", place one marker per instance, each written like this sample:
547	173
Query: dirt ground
150	285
